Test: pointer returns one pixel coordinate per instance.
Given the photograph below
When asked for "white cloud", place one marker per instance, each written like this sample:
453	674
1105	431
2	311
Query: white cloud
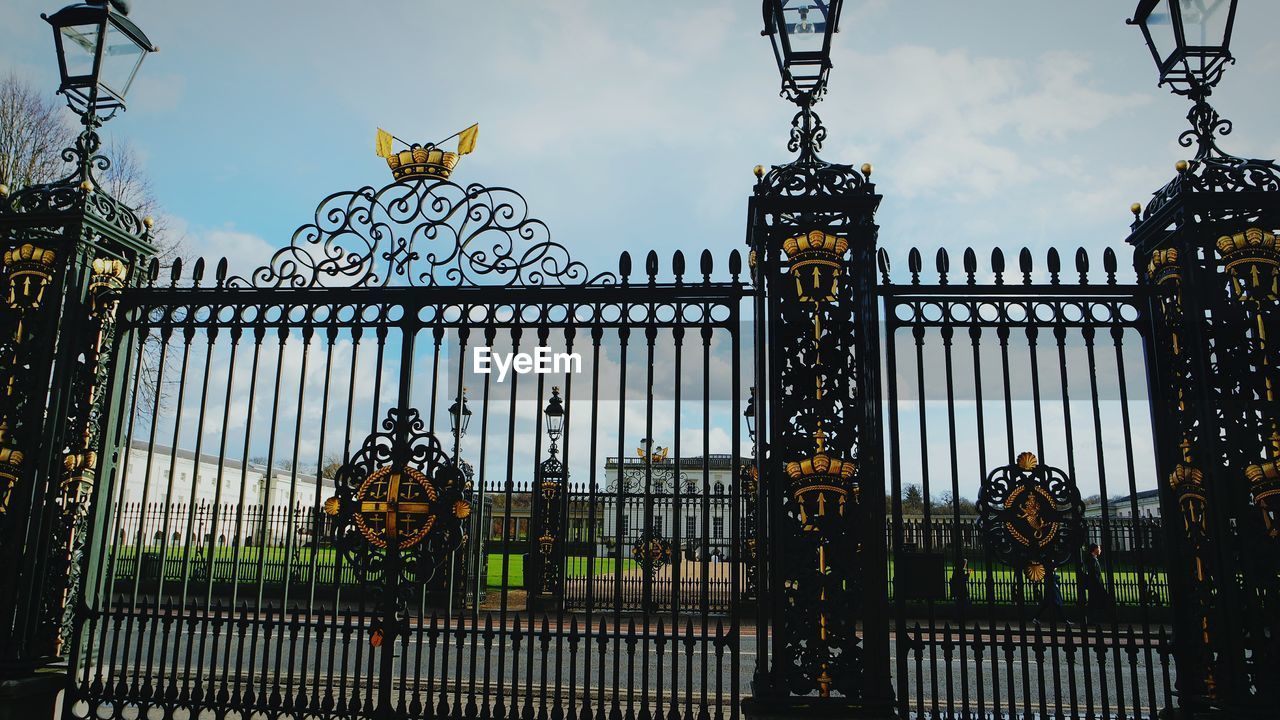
244	251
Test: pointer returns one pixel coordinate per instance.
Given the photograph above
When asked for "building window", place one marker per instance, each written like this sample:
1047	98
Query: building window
717	527
657	524
626	520
690	526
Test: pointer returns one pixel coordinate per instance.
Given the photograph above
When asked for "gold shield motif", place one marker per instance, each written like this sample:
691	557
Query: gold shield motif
395	506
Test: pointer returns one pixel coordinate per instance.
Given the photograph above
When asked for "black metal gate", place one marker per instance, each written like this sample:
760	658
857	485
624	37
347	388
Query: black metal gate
320	509
984	365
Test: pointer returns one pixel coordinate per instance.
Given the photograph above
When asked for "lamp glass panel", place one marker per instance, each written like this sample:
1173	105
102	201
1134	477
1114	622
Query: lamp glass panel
79	46
120	60
1205	21
805	22
1160	24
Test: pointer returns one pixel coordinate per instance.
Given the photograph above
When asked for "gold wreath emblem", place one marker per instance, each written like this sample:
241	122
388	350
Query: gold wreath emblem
395	506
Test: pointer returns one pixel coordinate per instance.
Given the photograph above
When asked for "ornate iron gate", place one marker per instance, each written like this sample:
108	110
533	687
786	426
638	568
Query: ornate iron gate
306	518
993	374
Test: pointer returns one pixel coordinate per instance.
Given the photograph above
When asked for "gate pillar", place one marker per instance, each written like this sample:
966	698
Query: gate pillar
823	598
1205	248
68	249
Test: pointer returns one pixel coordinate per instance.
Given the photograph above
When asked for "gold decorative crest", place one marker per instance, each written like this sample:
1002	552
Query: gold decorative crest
395	507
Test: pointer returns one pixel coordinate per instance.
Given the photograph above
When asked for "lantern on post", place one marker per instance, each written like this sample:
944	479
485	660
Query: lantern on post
1190	40
801	33
99	53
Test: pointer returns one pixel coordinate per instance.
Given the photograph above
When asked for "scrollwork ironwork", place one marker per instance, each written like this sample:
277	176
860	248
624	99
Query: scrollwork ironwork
1031	516
1213	170
79	190
423	233
403	476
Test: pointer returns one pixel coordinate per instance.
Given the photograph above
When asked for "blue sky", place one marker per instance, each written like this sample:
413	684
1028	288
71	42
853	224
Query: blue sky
636	125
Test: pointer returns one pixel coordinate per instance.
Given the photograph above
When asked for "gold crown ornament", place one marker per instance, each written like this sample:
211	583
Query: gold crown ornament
422	161
105	283
1164	266
1252	258
817	481
428	160
816	258
30	272
1251	246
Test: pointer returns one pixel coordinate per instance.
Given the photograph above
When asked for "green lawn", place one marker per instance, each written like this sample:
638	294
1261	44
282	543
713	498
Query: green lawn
277	563
577	568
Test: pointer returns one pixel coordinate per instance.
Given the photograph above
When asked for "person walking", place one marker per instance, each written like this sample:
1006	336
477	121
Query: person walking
960	587
1099	605
1052	600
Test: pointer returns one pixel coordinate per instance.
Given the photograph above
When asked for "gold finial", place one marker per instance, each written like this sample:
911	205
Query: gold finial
1136	209
1181	166
86	186
759	171
149	221
4	190
1028	461
866	170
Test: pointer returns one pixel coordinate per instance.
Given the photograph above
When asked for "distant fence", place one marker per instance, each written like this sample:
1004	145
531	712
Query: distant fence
1132	559
278	544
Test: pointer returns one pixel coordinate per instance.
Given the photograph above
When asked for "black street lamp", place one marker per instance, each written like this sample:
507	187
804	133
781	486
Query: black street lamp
1190	41
750	415
1205	244
67	250
813	243
460	416
553	413
546	540
99	52
801	32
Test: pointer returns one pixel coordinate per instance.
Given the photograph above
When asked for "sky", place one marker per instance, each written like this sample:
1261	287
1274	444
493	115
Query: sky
635	125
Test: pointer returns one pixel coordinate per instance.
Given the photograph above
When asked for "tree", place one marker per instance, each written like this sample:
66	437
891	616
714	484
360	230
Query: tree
912	500
33	131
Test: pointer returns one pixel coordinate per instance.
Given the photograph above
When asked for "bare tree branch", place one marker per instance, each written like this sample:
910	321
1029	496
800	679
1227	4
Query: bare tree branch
33	130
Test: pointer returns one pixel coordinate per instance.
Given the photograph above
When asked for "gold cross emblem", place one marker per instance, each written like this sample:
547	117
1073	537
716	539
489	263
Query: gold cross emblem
395	506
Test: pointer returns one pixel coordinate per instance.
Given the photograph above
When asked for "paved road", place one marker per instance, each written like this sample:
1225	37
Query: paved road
685	669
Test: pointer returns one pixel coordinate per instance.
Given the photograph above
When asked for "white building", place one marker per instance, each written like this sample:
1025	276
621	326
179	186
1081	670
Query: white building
1122	507
165	494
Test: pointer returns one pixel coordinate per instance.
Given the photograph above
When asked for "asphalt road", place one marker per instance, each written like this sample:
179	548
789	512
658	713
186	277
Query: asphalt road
684	670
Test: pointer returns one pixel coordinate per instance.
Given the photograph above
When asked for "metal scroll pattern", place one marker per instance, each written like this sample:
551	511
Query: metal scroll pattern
819	565
78	190
1213	170
399	512
1031	516
1186	480
423	233
82	459
1248	310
